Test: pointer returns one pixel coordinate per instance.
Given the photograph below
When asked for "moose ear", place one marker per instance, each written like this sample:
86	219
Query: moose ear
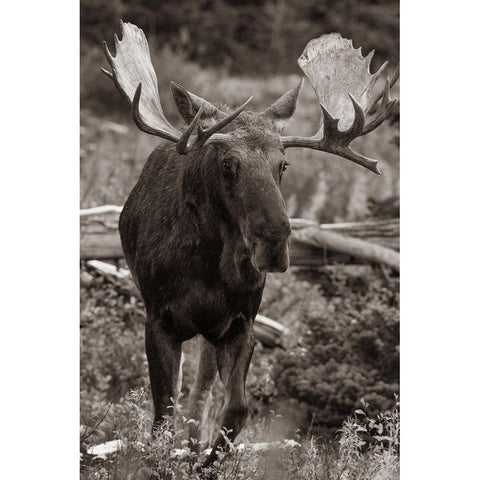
188	104
283	109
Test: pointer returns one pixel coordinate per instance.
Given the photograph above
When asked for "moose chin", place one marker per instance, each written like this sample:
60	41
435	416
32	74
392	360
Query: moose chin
206	219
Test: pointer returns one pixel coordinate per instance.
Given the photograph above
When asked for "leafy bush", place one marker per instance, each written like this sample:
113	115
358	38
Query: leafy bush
112	354
344	346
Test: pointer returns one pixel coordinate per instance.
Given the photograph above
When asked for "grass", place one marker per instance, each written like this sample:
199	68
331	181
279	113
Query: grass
365	449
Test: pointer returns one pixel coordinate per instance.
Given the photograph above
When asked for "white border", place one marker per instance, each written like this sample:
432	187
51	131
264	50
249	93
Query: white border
440	184
39	199
39	241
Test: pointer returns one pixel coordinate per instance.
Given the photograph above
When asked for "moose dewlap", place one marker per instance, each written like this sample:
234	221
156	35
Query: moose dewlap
206	220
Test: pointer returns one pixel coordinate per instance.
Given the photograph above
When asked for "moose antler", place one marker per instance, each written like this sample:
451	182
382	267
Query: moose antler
341	78
134	76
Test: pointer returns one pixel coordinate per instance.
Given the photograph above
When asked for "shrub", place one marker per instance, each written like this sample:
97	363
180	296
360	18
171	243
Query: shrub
112	353
346	348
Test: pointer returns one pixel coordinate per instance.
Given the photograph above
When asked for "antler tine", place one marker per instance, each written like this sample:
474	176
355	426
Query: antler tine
182	144
107	73
341	78
368	163
341	150
330	124
382	111
396	73
358	120
143	125
205	134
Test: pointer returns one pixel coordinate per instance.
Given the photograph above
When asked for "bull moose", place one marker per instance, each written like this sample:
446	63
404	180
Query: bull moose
206	220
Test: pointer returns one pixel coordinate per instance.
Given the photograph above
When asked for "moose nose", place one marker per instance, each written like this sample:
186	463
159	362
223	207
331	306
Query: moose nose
272	230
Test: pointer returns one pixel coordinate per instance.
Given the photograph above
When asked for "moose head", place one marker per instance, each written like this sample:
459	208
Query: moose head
239	174
243	165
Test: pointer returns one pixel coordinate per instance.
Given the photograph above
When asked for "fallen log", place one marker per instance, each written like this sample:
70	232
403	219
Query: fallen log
86	212
103	450
311	244
356	247
381	232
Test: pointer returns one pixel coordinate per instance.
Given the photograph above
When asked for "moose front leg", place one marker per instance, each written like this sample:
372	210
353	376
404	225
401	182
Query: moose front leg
163	354
233	353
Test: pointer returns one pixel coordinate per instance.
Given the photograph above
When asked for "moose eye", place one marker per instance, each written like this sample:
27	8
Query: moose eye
226	166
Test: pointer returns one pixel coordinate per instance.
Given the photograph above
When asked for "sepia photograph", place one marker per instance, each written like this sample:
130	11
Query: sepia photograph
201	237
239	240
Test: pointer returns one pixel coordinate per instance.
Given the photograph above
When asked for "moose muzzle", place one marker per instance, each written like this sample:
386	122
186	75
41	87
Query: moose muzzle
270	258
268	244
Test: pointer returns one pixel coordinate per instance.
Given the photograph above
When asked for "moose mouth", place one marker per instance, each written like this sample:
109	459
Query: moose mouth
269	258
